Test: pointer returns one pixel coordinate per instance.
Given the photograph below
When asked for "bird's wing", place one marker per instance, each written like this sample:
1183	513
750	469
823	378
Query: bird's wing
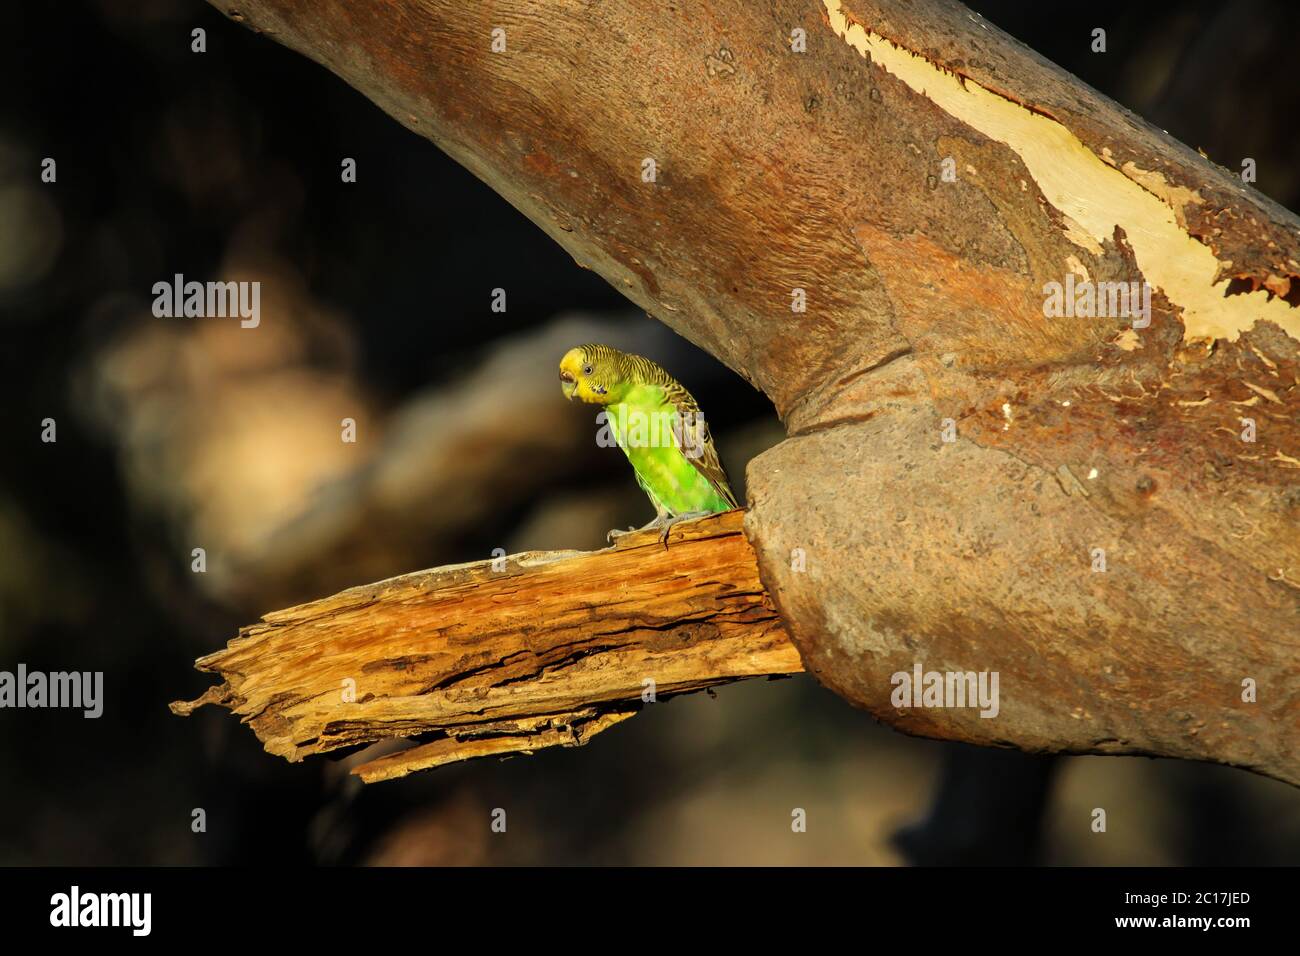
707	462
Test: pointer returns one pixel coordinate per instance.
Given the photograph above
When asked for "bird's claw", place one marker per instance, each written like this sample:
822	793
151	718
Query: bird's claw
664	524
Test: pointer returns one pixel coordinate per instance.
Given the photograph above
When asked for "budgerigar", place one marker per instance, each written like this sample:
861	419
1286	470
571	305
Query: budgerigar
660	428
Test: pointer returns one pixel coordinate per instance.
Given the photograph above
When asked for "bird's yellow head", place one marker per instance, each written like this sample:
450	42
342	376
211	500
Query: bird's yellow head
590	373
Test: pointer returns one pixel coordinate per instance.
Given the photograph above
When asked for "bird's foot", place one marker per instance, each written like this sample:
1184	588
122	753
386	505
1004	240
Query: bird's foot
665	523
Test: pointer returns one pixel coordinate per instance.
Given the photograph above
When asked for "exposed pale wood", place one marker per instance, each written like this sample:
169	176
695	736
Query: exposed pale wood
540	650
566	730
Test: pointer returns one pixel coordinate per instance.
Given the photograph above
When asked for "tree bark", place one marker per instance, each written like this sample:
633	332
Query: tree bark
960	468
504	656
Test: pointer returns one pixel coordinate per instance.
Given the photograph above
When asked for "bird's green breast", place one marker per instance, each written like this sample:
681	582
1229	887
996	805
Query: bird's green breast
647	428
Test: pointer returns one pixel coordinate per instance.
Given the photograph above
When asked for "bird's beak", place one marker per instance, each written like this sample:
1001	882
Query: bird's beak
567	385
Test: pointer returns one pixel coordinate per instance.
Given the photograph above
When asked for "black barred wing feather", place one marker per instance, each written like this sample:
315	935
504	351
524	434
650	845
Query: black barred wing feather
697	440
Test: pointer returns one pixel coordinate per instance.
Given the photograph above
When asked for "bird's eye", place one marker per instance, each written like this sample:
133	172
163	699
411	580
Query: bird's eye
587	369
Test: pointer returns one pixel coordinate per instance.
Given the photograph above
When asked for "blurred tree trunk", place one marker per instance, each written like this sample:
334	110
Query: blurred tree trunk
1103	514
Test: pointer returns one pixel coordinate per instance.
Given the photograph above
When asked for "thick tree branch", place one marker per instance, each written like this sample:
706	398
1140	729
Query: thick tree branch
507	656
1103	514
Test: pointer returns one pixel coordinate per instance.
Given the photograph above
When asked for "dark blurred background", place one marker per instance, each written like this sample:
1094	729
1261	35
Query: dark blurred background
174	435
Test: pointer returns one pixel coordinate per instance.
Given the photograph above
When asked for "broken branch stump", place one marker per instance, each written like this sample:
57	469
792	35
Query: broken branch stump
507	656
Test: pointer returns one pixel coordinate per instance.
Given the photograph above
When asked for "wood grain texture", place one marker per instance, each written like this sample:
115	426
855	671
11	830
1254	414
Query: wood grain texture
495	658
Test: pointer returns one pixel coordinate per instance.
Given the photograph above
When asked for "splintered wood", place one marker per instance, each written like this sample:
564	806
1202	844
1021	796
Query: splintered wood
501	657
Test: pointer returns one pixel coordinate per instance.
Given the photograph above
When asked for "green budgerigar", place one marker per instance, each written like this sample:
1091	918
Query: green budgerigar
660	428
